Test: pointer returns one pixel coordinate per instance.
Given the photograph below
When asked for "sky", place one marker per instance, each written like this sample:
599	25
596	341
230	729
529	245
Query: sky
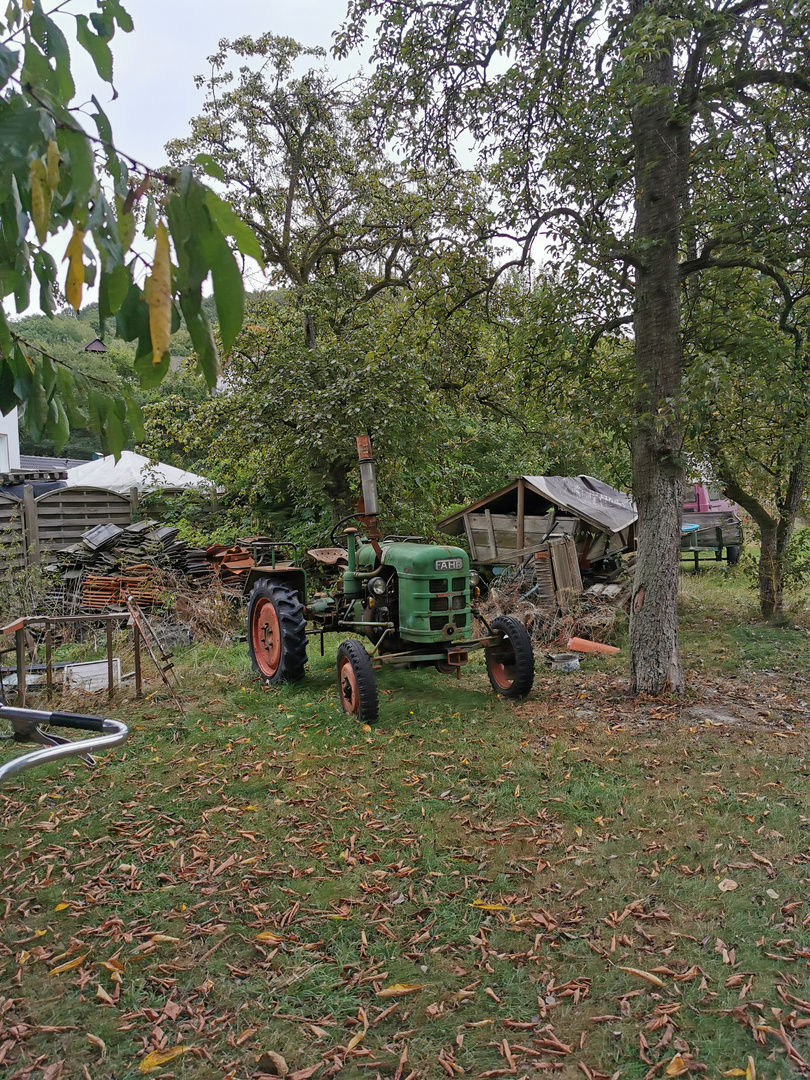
155	65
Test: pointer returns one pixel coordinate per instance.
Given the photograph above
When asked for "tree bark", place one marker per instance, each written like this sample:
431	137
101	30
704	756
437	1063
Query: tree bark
658	475
775	531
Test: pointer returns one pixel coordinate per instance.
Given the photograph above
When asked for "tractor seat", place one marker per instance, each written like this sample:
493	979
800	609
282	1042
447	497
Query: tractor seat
329	556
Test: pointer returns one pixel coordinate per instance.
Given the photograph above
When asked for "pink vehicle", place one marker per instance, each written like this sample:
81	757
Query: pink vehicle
710	523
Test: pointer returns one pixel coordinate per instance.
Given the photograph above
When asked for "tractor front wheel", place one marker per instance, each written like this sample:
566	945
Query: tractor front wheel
276	627
510	663
357	686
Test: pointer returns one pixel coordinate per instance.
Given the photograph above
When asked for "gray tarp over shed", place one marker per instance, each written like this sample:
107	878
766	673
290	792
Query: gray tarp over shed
585	497
588	498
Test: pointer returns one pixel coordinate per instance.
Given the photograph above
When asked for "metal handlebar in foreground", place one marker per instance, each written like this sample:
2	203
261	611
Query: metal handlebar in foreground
26	726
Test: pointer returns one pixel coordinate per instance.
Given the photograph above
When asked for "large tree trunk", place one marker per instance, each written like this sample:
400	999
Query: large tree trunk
658	475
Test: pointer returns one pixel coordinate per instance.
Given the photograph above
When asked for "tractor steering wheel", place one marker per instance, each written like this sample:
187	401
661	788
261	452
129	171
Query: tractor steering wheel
337	525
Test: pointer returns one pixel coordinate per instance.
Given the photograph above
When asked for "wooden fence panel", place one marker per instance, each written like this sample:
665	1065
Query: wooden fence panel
12	534
63	515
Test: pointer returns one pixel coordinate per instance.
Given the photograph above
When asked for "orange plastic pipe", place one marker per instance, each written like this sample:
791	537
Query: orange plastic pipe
583	645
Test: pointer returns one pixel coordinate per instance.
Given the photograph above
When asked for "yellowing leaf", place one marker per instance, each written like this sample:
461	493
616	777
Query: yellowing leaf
483	906
163	938
355	1040
159	296
61	907
269	938
161	1057
400	990
646	975
734	1072
40	198
77	961
676	1066
751	1069
52	158
75	274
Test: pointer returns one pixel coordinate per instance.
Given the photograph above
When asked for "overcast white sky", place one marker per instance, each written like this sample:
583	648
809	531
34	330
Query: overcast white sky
155	65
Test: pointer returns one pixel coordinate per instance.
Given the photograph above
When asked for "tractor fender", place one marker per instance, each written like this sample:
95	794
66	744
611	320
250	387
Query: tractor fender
293	576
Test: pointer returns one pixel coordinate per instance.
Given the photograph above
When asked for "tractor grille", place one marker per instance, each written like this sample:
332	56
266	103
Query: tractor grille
438	622
449	596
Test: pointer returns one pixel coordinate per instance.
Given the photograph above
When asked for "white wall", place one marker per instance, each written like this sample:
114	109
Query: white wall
9	442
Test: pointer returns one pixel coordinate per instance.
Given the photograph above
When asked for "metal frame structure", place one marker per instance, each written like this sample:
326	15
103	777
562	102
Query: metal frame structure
27	726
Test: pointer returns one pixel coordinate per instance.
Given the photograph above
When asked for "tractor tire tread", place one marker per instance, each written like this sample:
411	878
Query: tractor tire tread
521	643
368	699
292	623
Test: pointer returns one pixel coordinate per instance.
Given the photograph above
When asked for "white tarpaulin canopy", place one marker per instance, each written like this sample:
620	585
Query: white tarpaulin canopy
132	471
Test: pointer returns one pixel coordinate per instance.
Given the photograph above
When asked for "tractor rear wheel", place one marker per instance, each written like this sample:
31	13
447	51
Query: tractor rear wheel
510	663
357	685
276	627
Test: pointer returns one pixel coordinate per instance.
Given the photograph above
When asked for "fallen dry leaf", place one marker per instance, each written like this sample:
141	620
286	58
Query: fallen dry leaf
96	1041
728	885
77	961
272	1064
269	938
646	975
400	990
161	1057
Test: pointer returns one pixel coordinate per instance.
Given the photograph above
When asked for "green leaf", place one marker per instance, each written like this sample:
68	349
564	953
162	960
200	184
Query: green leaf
59	429
115	425
135	418
45	270
132	317
96	46
229	222
150	375
36	408
8	399
203	340
76	149
55	47
229	289
9	61
210	165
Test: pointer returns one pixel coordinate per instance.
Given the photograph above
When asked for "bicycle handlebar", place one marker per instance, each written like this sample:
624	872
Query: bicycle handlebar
110	733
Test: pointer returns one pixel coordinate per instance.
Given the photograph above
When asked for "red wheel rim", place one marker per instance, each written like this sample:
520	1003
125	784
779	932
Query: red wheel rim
503	675
347	681
266	637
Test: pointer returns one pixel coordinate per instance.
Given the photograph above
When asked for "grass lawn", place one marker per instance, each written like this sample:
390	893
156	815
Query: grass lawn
581	884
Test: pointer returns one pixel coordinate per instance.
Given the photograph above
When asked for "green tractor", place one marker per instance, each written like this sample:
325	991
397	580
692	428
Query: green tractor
412	602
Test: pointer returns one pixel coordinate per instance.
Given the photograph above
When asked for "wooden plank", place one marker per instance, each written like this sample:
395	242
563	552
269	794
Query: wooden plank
31	524
493	547
521	505
470	538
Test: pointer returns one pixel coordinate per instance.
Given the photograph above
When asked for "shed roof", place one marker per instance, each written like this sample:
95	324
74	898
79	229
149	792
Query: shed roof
596	502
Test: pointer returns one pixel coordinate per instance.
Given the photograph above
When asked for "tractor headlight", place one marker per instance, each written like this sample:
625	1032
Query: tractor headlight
475	579
377	586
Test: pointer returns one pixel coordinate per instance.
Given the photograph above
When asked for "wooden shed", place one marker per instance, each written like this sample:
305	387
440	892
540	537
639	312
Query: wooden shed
508	525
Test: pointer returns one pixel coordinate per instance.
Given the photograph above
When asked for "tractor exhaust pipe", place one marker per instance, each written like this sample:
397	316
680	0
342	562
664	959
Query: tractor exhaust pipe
368	480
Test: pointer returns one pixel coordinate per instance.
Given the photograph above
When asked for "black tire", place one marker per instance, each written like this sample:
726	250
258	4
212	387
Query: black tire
510	663
733	554
276	632
356	682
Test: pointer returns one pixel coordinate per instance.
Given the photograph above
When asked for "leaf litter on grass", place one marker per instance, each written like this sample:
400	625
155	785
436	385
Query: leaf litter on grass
471	889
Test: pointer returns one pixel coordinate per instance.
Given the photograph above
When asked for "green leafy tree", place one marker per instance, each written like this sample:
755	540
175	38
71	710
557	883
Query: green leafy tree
62	182
340	226
595	117
747	348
